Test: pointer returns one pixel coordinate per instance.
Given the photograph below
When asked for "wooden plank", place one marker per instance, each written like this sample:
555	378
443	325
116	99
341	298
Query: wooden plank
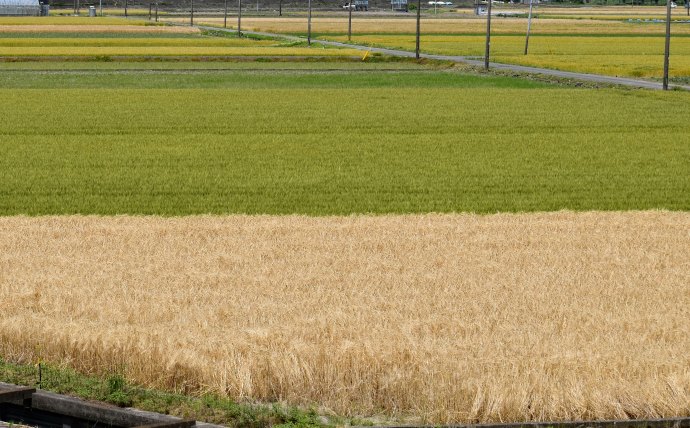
16	395
80	409
183	423
46	405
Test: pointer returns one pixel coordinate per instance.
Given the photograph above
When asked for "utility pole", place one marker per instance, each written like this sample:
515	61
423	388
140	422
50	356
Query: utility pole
667	46
280	8
309	26
225	16
78	7
349	21
150	10
125	8
529	26
156	11
419	18
100	6
239	19
191	16
488	36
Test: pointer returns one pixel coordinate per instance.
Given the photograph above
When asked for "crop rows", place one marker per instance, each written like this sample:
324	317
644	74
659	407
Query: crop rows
303	143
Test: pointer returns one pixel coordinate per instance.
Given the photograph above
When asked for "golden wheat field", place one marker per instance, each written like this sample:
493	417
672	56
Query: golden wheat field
84	28
454	318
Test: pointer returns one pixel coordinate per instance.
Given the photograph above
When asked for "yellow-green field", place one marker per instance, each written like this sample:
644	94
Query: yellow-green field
335	25
67	20
618	56
99	42
175	51
116	37
608	41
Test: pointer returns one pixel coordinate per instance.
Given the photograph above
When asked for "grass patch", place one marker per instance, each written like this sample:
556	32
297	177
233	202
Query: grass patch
115	389
274	77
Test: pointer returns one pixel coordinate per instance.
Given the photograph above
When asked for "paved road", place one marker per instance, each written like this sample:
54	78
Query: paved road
464	60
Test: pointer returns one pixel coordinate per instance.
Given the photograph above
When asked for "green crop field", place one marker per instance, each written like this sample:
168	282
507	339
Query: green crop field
333	143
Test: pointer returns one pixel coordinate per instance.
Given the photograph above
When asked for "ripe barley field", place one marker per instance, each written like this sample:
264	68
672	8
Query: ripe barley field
443	318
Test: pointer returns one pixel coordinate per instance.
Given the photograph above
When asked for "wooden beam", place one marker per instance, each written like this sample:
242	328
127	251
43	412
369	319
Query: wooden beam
20	394
80	409
184	423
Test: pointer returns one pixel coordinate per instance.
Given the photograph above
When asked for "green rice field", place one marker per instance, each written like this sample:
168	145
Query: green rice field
323	143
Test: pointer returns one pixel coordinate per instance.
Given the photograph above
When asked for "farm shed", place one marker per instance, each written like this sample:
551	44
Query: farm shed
20	8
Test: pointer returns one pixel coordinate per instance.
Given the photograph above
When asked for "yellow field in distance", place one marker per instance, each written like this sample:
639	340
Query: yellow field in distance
249	50
67	20
621	56
445	25
95	28
36	42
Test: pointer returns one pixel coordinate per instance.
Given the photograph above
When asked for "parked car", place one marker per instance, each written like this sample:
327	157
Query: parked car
357	5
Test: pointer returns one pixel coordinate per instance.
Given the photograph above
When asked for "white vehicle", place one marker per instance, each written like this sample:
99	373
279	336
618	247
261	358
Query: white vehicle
357	5
673	4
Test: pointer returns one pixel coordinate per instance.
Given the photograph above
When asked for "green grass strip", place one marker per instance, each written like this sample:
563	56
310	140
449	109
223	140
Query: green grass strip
115	389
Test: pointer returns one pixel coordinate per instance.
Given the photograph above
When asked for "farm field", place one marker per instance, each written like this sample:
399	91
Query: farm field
383	239
590	40
156	46
634	56
443	318
105	40
336	24
250	64
260	143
